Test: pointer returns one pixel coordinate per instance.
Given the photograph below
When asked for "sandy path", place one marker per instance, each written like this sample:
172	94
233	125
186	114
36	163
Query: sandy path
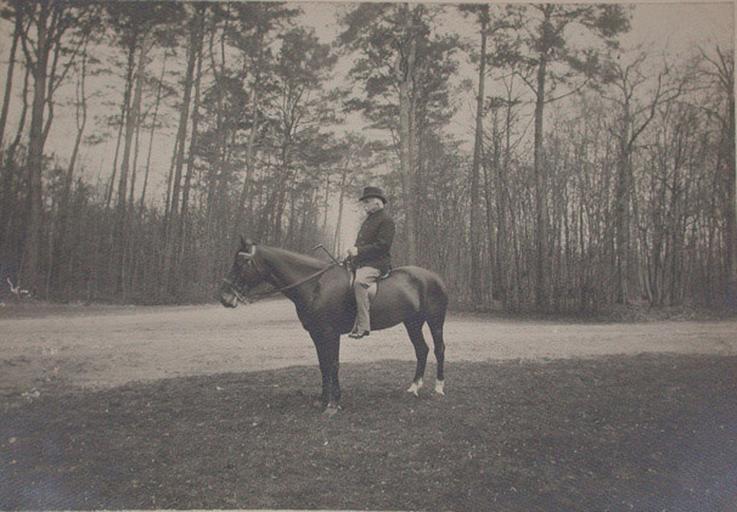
113	346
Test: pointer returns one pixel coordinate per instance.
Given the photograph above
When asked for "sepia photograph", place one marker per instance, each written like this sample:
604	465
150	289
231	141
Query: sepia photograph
368	256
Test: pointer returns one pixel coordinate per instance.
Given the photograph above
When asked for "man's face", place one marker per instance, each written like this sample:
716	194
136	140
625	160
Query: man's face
371	204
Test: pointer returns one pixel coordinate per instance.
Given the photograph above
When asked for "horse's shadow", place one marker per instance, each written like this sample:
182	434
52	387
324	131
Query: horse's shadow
367	387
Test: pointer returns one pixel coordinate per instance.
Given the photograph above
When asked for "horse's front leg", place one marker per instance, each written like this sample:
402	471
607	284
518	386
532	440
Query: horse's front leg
328	354
324	369
332	349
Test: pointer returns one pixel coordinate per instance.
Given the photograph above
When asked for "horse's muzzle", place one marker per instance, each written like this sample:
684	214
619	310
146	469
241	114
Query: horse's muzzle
229	303
227	297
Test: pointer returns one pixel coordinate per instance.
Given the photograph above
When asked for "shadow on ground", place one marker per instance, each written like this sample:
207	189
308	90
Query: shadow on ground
619	433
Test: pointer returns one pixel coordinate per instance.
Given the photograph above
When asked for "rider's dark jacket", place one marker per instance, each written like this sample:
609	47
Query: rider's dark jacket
374	241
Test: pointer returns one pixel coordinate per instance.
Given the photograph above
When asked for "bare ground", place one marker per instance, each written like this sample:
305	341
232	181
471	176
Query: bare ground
109	346
202	407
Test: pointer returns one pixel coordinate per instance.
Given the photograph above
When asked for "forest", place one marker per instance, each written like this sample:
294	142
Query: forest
531	157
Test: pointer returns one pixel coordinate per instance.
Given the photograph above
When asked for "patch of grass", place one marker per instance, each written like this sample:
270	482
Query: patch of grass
620	433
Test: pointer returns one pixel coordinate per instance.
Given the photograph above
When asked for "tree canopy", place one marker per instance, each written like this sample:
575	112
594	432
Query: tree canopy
533	155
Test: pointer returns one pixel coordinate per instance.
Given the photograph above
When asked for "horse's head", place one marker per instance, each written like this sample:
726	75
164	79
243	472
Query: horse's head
245	273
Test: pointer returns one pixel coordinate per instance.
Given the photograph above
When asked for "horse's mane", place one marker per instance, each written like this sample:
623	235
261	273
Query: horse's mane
298	258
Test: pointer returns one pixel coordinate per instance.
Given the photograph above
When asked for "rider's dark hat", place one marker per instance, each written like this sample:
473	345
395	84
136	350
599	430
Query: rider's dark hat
373	192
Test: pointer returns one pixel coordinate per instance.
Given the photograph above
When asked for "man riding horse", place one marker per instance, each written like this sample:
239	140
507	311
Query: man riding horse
325	303
371	255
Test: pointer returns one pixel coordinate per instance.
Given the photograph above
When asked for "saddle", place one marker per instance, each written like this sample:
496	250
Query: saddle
373	288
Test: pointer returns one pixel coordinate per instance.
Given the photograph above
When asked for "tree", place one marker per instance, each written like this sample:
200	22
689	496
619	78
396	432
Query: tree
482	13
487	27
137	28
17	16
357	155
195	25
719	66
543	52
301	108
42	46
61	245
403	73
10	185
157	104
634	118
7	170
253	34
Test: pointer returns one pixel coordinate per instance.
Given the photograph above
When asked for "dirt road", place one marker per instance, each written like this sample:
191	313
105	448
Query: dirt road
109	346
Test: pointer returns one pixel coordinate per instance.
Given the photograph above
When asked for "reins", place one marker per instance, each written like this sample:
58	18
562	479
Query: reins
244	299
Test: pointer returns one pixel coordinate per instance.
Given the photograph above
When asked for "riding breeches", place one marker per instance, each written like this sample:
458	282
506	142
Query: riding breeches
365	277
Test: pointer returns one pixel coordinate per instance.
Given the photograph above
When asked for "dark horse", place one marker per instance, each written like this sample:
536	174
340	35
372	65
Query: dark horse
326	305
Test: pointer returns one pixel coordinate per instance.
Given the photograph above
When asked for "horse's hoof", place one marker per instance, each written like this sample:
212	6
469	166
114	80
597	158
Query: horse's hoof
330	411
415	388
440	387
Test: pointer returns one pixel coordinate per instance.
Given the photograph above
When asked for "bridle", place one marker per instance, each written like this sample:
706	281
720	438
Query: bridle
241	296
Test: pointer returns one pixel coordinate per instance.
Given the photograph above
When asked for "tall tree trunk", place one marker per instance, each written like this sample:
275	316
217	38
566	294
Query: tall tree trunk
730	210
621	209
326	204
404	70
111	184
502	243
134	88
414	164
540	231
31	274
134	167
292	222
81	119
10	177
251	144
341	199
52	80
491	249
9	78
131	255
121	222
182	131
61	254
477	276
278	202
153	131
214	174
171	243
169	184
493	238
183	220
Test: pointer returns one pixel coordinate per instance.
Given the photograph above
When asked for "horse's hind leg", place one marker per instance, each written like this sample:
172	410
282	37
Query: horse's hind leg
414	329
436	329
